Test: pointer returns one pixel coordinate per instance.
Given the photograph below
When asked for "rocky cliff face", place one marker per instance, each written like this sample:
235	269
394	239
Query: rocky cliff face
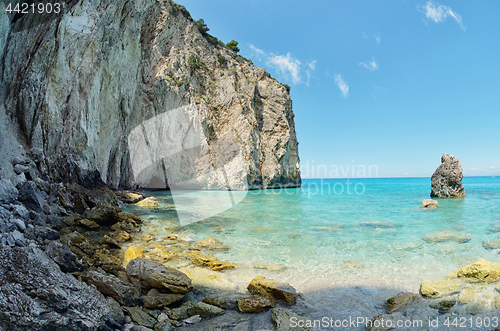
77	85
446	182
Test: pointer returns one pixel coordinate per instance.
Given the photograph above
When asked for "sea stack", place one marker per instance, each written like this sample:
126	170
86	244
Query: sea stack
446	181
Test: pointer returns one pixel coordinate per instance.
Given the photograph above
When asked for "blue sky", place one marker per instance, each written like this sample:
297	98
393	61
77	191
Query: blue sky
392	84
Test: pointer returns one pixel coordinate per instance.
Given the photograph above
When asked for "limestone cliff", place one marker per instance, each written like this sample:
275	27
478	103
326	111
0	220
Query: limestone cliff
77	84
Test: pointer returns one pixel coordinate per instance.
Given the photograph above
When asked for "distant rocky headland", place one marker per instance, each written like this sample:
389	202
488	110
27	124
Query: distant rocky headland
74	87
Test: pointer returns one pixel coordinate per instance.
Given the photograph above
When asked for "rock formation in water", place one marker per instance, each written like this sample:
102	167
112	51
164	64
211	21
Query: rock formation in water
446	182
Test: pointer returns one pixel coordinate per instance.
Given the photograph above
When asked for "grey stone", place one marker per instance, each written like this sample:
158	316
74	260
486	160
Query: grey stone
29	196
446	182
125	293
430	203
38	296
281	320
116	312
400	300
205	310
193	319
140	317
19	169
21	211
8	192
156	300
18	238
163	326
63	256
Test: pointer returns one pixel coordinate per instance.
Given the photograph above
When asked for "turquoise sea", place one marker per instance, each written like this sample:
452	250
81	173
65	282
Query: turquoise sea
357	236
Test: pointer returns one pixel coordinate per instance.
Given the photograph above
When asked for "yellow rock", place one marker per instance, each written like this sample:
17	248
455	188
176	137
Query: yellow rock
207	277
148	202
467	295
147	237
131	253
208	261
272	288
479	271
122	235
440	287
161	255
211	243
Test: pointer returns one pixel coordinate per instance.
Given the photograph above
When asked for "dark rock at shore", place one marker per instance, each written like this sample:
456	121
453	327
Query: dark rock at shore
400	300
282	320
125	293
256	304
63	256
36	295
149	274
446	182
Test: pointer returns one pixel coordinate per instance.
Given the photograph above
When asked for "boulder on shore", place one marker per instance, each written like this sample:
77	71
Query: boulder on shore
274	289
149	274
446	182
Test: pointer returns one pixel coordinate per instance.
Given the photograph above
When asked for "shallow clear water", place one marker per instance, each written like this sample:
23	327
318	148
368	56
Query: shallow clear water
370	236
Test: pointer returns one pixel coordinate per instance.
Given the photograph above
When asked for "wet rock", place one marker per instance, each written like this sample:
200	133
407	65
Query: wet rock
466	296
104	257
128	225
8	192
157	300
400	300
254	305
63	256
125	293
479	271
38	296
122	236
490	245
281	320
129	197
161	255
444	304
205	310
447	235
274	289
139	316
102	215
110	242
148	202
133	252
211	243
124	216
446	181
430	203
440	287
88	224
150	274
178	313
215	302
147	237
193	319
207	261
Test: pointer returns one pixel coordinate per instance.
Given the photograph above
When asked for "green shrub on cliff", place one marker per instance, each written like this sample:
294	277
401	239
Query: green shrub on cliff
195	63
176	9
233	45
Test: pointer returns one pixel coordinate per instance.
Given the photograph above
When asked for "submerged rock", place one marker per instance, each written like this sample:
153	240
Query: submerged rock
211	243
447	235
490	245
446	182
430	203
401	300
150	274
148	202
274	289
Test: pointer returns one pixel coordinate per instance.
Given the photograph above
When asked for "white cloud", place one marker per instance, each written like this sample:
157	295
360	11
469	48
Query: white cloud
439	13
344	88
377	37
312	65
364	35
259	53
372	65
287	65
